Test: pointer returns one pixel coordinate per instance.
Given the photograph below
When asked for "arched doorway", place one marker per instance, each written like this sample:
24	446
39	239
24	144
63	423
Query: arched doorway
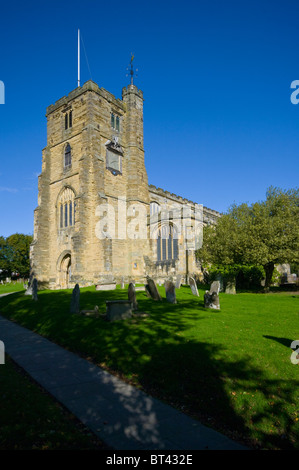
64	270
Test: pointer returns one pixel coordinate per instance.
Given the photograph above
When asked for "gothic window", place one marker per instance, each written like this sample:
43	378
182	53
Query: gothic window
66	208
115	121
67	156
154	208
167	243
68	120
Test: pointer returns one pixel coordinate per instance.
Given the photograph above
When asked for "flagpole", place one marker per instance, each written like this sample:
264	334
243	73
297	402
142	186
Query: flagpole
78	57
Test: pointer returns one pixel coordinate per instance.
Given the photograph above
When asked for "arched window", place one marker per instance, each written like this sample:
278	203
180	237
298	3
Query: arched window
167	243
68	120
115	122
66	208
154	208
67	156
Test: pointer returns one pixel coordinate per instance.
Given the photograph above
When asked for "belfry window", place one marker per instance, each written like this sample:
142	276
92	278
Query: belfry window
167	243
66	208
115	122
67	156
68	120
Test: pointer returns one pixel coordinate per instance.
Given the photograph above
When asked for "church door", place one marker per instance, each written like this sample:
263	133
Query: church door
65	271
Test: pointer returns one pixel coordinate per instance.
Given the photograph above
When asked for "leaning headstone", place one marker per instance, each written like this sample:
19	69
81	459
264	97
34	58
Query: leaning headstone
211	300
178	281
230	287
170	292
193	286
152	289
132	296
147	291
75	300
34	289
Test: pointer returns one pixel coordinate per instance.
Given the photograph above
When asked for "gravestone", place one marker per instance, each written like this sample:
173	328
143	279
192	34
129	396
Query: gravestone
34	289
147	291
193	286
220	279
122	283
152	289
230	287
211	298
178	281
215	287
132	296
118	310
75	300
170	292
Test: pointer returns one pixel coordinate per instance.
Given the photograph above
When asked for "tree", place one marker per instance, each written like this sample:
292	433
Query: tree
14	253
265	233
5	256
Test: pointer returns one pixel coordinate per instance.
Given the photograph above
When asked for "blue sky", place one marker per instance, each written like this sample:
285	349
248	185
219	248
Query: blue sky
219	125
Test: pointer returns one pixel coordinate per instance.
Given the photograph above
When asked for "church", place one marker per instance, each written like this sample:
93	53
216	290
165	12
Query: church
98	219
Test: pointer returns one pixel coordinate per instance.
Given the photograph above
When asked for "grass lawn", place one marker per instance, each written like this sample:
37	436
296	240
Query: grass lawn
230	368
11	287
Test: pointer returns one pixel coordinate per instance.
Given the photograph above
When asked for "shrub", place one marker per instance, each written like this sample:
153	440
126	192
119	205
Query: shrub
246	277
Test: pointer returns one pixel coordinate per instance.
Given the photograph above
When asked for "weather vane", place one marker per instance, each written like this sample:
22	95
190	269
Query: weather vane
131	71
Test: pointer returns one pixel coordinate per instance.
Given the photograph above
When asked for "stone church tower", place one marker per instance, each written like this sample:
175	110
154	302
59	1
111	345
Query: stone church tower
94	200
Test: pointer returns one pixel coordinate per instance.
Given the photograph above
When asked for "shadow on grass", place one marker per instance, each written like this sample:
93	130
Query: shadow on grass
284	341
152	353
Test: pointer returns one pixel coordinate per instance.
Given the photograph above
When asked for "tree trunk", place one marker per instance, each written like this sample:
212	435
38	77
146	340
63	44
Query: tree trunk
269	268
